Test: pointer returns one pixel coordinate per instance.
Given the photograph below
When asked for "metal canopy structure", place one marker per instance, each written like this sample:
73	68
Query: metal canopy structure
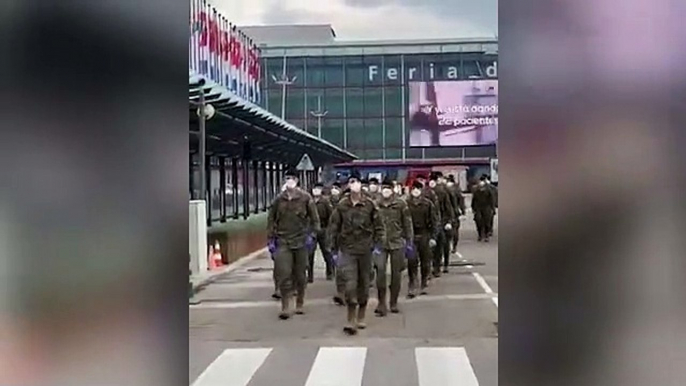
240	126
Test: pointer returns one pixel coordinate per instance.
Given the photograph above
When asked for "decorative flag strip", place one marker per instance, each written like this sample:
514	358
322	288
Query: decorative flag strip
222	53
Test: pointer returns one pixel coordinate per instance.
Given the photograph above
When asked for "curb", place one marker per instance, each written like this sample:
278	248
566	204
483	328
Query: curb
202	281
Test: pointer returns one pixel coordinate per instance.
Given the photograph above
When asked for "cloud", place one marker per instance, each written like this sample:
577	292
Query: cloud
373	19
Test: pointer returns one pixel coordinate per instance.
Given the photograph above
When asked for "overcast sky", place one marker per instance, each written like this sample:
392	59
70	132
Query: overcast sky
373	19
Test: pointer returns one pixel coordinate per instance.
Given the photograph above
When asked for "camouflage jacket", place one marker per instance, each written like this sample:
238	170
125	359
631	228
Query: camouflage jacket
398	222
356	227
424	216
291	219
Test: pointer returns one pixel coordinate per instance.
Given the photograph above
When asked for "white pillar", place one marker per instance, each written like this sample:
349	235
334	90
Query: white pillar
197	238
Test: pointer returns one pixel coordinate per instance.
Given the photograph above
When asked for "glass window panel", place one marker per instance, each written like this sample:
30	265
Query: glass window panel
332	131
296	71
315	72
356	137
274	101
393	153
334	102
354	71
373	102
314	96
373	134
373	154
354	99
295	104
394	133
394	101
334	72
274	69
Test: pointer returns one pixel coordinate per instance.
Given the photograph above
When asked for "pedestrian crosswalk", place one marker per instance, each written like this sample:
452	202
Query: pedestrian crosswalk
340	366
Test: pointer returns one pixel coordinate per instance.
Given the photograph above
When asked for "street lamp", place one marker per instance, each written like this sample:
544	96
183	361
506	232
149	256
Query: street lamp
204	112
319	114
284	82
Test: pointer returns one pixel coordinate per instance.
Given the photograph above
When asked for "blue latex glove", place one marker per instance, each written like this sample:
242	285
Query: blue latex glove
271	246
310	241
409	250
334	259
376	251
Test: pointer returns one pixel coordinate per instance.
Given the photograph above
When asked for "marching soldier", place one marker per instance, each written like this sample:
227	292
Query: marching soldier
335	195
324	210
447	216
356	232
425	225
399	240
460	209
483	207
374	192
292	217
494	190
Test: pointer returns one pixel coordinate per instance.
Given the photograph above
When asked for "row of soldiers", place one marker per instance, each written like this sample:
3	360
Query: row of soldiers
359	230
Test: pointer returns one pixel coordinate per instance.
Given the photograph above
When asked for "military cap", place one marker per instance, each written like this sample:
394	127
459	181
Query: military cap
355	174
291	172
417	185
387	181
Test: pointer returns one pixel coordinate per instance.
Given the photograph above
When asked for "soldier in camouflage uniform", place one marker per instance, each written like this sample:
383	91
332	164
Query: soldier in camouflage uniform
447	216
399	240
324	210
425	225
494	190
292	218
483	207
335	194
460	209
356	232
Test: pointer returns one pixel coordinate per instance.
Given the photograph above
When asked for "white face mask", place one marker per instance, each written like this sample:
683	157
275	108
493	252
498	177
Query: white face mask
335	192
291	183
386	192
373	188
432	184
416	192
317	192
482	183
397	189
355	187
441	181
450	183
366	188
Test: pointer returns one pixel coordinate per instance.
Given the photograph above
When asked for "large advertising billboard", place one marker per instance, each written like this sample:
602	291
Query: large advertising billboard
453	113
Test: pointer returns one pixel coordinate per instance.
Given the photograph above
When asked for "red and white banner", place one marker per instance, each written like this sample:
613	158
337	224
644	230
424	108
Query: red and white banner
222	53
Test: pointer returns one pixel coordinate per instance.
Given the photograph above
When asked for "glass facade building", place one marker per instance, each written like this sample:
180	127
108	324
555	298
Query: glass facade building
355	96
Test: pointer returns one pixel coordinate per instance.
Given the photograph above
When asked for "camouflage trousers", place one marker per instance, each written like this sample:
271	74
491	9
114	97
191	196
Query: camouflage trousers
290	266
353	269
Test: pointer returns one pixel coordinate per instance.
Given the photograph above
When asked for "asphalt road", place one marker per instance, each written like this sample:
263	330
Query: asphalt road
446	338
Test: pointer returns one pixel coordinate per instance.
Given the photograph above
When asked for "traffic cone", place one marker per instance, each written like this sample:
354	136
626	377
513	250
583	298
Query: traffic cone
211	264
217	256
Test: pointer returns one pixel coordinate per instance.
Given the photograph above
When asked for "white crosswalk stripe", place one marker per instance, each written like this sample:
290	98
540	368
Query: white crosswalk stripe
233	367
338	366
446	366
341	366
